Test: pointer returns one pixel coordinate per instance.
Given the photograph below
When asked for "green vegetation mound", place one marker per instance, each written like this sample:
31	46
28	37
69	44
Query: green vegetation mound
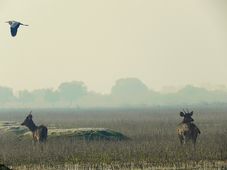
77	133
87	133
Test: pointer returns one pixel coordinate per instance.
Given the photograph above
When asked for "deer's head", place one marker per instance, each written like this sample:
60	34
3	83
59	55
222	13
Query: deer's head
27	120
187	116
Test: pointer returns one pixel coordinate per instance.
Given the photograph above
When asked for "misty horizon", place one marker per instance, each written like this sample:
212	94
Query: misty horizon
126	92
163	89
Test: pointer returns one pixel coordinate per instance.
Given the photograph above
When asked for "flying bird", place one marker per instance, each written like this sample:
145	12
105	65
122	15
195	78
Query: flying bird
14	25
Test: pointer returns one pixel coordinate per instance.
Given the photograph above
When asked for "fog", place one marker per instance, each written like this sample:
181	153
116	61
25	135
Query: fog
126	93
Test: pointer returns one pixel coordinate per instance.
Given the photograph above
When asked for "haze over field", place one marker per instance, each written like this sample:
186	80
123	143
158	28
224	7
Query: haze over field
166	44
128	92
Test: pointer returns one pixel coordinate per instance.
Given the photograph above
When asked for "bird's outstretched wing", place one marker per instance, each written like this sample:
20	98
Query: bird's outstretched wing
13	31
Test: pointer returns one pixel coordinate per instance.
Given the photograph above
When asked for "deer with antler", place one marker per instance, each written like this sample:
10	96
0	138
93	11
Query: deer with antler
187	130
39	133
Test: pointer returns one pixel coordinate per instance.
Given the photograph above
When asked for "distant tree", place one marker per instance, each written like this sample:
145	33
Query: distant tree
129	87
38	96
72	91
6	94
25	96
130	92
51	96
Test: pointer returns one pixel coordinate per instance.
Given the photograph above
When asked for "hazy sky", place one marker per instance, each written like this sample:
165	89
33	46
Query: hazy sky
161	42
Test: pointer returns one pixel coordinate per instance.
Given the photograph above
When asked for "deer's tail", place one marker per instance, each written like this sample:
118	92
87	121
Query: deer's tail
196	129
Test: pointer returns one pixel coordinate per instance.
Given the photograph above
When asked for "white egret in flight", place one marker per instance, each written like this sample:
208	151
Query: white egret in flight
14	25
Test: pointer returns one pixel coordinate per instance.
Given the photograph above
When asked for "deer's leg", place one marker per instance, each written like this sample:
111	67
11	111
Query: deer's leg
34	142
181	139
185	139
35	139
194	140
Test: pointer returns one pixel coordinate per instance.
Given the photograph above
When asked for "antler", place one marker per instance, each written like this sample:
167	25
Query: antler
187	110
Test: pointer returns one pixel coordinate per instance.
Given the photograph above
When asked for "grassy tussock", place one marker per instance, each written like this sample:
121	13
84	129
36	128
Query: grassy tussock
9	127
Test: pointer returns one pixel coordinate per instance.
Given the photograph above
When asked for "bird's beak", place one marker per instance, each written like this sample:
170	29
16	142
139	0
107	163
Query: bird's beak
23	24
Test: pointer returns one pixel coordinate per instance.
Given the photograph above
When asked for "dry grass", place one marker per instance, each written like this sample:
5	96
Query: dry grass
154	141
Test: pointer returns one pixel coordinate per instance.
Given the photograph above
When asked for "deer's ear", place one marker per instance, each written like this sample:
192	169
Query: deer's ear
191	113
30	116
182	114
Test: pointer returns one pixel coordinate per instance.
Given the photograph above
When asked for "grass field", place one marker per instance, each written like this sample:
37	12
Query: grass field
153	141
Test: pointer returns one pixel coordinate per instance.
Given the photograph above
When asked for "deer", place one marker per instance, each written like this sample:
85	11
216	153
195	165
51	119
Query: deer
187	130
39	133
